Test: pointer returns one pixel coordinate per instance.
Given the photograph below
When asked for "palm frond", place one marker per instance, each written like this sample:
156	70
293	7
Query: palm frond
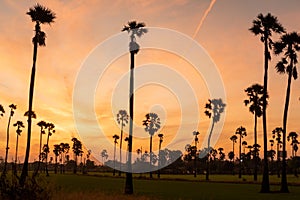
41	14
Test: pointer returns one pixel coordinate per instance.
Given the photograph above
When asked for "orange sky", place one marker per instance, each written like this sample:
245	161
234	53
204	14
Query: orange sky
81	26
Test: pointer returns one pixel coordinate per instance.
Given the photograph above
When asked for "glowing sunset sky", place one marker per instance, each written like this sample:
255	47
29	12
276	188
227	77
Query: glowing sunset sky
82	25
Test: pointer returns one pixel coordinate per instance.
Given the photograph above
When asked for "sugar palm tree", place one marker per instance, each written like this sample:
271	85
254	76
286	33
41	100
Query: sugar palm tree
40	15
241	131
255	103
50	127
64	147
294	142
276	134
104	155
161	137
115	137
195	134
213	109
77	150
19	125
134	29
265	26
57	152
12	111
233	138
122	118
43	126
289	45
152	125
244	144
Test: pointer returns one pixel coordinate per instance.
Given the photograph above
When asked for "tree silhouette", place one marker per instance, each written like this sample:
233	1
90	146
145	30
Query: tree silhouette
264	26
104	155
50	127
294	142
77	150
57	152
276	134
241	131
2	111
195	134
233	139
115	137
19	125
289	44
134	29
161	137
64	148
122	118
40	15
214	109
152	125
12	111
43	126
221	153
255	102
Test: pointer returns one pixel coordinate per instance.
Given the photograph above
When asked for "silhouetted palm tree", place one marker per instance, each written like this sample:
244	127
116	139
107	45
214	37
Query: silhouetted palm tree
122	118
195	134
289	44
40	15
104	155
50	127
244	144
233	139
241	131
64	147
2	111
221	153
43	126
134	29
116	137
77	150
152	125
19	125
294	142
264	26
12	111
161	137
57	152
255	103
276	134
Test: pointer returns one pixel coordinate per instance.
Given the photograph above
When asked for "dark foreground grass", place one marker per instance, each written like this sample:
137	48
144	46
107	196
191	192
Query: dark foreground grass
91	187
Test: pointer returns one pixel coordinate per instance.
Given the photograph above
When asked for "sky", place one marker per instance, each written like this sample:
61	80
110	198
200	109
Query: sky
219	27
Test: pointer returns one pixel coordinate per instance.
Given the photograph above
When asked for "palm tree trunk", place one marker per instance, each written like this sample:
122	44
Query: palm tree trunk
55	170
284	186
159	161
278	160
24	173
208	146
150	163
233	157
121	138
255	148
16	157
240	163
114	172
7	142
265	185
47	172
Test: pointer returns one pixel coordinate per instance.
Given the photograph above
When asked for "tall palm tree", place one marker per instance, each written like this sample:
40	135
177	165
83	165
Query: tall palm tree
289	44
152	125
264	26
276	134
134	29
19	125
57	152
40	15
43	126
64	147
233	138
255	102
241	131
115	137
122	118
77	150
214	109
195	134
294	142
161	137
50	127
12	111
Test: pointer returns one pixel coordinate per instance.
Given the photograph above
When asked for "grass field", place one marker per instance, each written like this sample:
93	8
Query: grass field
103	186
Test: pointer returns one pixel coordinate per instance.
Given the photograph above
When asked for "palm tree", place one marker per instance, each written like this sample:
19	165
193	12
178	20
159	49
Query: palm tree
244	144
221	153
50	127
116	137
233	139
19	125
152	125
264	26
161	137
40	15
104	155
57	152
77	150
289	44
241	131
122	118
255	103
43	126
195	133
294	142
64	147
12	108
214	109
276	134
2	111
134	29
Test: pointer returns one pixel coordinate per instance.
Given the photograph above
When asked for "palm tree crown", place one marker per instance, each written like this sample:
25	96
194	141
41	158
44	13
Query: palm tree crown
136	29
151	123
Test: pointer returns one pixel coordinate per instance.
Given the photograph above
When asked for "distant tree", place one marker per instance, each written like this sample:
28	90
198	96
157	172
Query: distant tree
134	29
233	139
231	155
221	153
12	111
244	144
77	150
50	127
294	142
161	137
276	134
115	137
43	126
57	152
64	148
122	118
152	125
241	131
195	134
19	125
104	156
40	15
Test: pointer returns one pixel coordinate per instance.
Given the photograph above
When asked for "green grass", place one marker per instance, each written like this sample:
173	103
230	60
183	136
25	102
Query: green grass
103	186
